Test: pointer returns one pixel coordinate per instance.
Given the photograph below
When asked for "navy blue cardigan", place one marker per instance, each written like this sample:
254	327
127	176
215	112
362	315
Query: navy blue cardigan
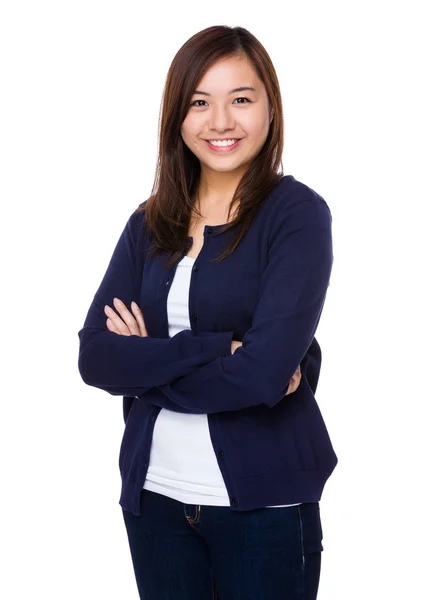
271	449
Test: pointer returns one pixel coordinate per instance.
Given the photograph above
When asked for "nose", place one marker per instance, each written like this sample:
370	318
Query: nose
221	119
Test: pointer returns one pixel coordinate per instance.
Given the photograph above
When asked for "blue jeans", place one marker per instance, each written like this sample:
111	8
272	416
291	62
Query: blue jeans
190	552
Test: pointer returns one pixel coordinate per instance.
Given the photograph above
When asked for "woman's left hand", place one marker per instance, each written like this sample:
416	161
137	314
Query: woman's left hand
295	381
127	323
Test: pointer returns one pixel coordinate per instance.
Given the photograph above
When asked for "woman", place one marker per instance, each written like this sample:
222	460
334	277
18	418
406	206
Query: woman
204	322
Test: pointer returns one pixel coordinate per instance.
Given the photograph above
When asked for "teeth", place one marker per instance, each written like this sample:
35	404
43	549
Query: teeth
222	142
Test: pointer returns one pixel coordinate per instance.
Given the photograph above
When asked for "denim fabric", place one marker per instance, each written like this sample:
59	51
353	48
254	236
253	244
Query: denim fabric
192	552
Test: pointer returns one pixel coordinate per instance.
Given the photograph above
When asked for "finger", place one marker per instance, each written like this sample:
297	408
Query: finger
117	321
112	327
139	318
292	387
297	378
126	316
293	384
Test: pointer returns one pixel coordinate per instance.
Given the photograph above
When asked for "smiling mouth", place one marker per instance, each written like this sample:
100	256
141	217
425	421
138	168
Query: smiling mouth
223	147
222	139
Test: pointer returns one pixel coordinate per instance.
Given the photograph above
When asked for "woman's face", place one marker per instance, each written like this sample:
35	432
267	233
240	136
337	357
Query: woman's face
223	114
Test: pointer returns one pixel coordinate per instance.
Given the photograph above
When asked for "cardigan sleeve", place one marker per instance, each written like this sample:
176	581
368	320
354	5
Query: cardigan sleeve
293	292
131	365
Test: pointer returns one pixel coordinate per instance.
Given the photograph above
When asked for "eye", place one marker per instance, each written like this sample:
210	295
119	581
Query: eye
247	100
243	99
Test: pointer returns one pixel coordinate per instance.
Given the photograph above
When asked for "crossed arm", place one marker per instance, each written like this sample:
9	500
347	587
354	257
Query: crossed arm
132	323
197	372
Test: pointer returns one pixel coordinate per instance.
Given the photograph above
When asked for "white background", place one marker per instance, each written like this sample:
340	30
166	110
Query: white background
81	88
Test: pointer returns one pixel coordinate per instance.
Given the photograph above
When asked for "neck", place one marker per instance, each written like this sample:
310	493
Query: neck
216	188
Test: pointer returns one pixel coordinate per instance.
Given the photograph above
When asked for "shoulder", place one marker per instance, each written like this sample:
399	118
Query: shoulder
294	205
137	218
294	195
135	225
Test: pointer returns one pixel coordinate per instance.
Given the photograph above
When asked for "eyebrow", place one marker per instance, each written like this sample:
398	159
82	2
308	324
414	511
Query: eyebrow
239	89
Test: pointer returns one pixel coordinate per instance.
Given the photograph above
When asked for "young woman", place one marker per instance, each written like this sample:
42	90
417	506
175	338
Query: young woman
204	322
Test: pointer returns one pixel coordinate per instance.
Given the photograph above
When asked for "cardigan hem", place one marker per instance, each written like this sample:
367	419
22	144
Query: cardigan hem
288	487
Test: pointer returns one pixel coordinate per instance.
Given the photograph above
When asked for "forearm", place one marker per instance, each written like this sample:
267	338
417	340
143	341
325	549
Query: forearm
132	365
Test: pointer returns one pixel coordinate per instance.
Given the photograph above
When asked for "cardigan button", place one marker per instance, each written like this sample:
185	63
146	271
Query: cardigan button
194	317
221	455
196	268
234	502
210	230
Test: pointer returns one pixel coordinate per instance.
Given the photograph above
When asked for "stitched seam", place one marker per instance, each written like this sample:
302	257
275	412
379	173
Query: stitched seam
191	521
301	536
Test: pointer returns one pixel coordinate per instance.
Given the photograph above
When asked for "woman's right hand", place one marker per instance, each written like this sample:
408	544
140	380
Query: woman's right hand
296	378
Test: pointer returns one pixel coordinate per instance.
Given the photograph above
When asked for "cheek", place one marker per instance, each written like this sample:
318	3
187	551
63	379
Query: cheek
185	128
189	131
187	139
252	122
258	126
184	131
258	132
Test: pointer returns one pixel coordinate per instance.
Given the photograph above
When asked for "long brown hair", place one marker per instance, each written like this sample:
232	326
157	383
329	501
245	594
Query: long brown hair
170	206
